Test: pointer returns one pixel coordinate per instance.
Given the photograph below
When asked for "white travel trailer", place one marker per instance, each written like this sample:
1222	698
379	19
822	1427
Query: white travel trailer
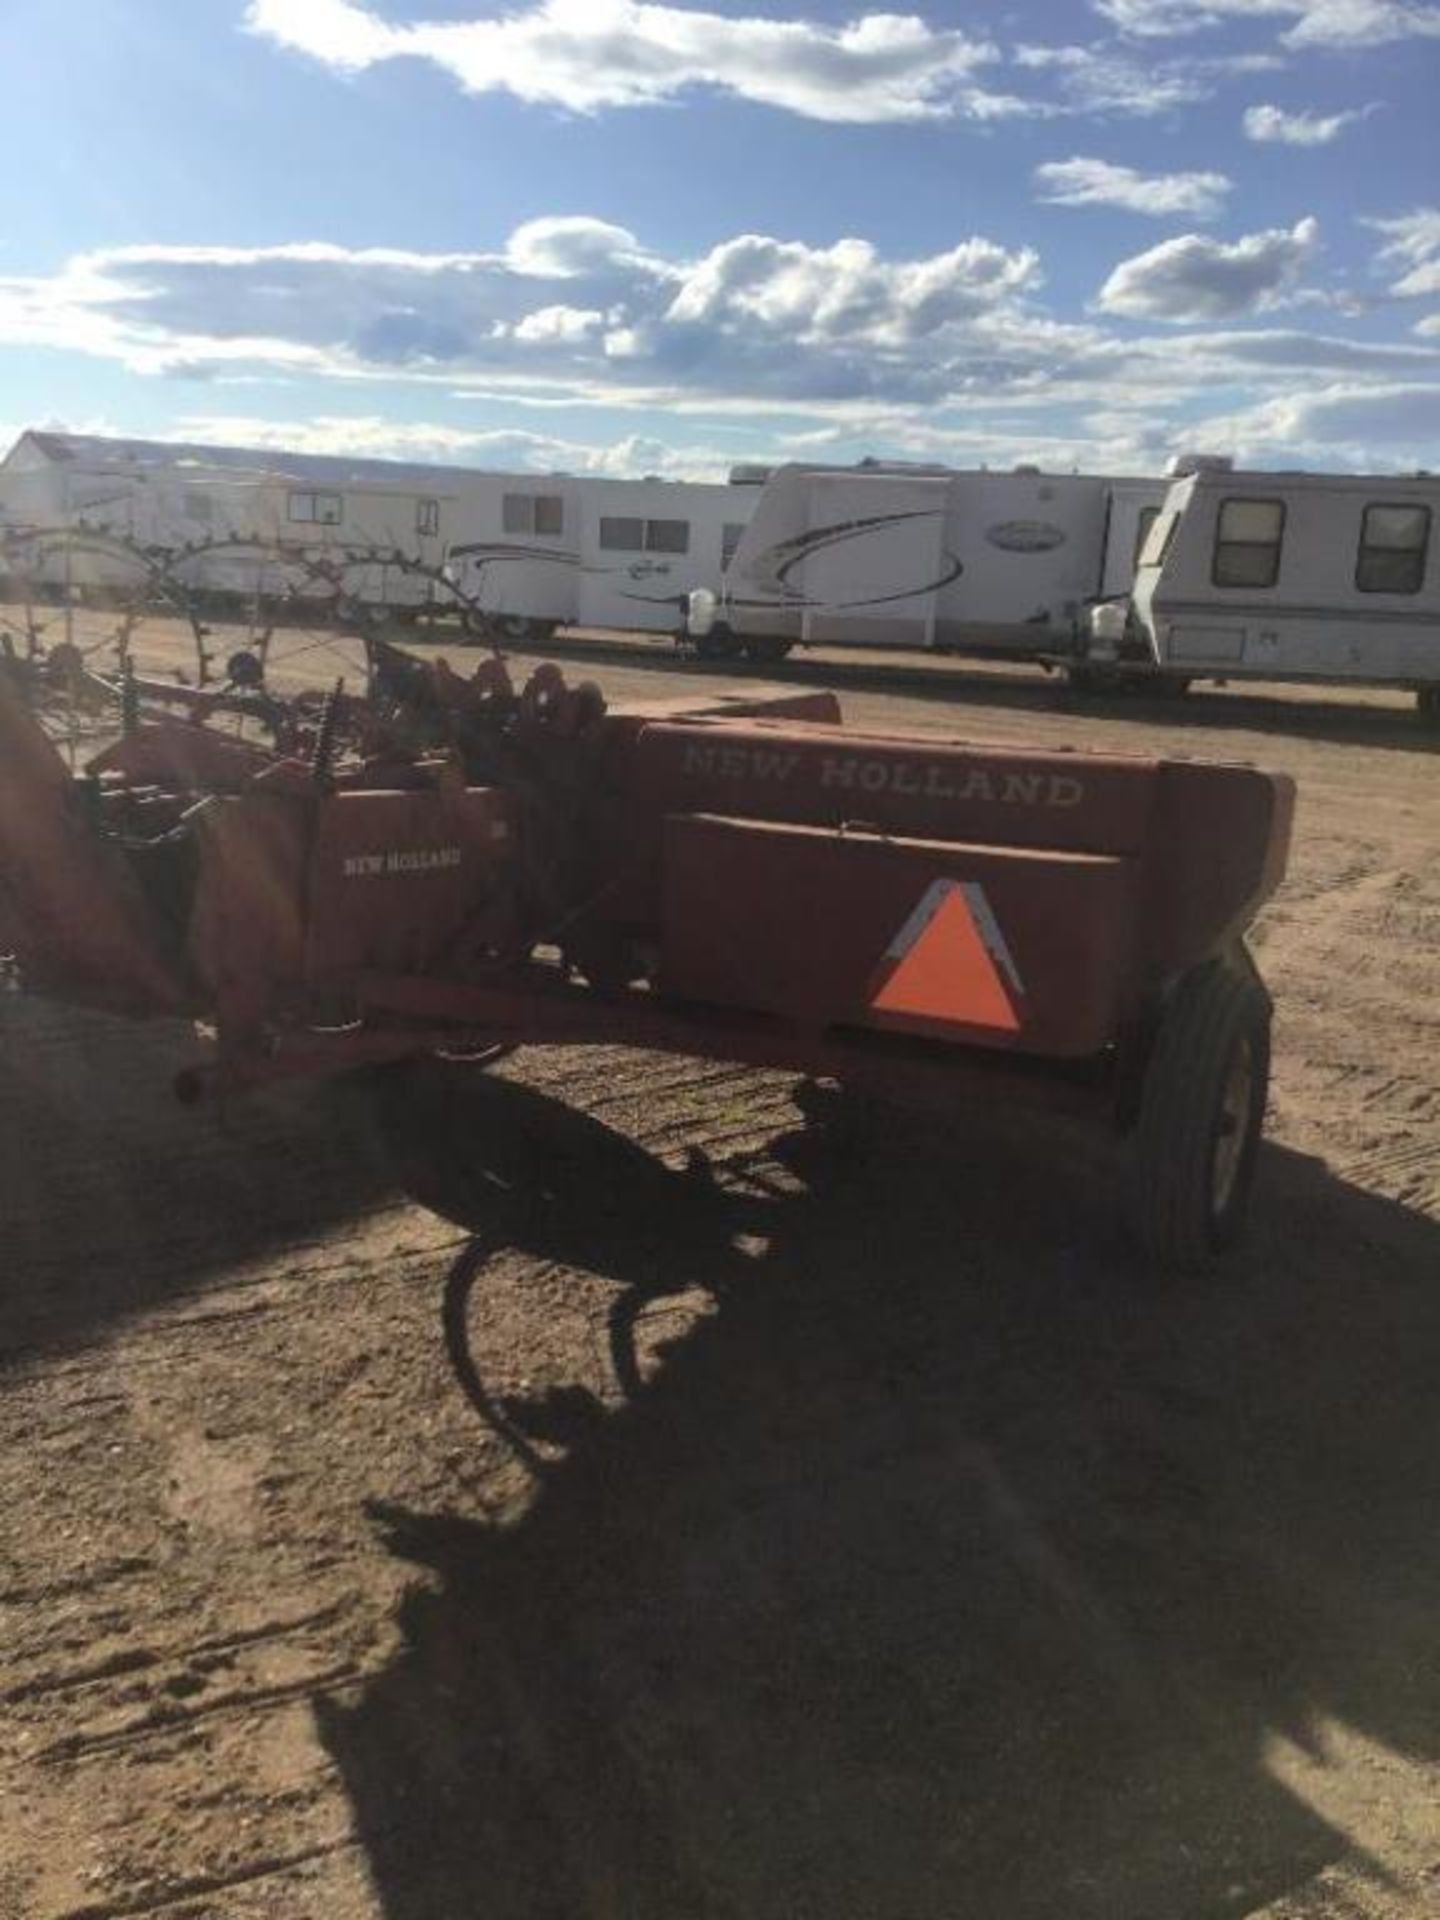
530	551
1285	576
248	522
589	552
927	557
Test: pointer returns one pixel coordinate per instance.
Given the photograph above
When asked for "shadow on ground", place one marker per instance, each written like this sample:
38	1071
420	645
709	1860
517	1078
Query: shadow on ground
941	1570
113	1196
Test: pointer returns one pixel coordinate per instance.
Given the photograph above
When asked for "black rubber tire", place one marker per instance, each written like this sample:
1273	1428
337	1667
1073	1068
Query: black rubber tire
718	644
523	629
767	648
1210	1056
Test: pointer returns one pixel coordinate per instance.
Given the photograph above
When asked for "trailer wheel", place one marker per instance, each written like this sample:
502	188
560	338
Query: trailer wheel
1089	676
718	644
520	627
766	648
1202	1105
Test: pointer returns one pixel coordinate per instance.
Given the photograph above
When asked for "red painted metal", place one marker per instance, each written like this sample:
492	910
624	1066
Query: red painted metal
797	921
455	860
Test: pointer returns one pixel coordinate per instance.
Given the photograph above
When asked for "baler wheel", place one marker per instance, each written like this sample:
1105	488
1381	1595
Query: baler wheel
1202	1106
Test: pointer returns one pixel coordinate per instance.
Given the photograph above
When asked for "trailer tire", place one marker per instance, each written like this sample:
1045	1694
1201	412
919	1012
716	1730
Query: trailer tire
1202	1106
520	628
767	649
719	643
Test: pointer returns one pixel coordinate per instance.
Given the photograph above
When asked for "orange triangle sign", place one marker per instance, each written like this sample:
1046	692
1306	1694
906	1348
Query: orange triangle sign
941	966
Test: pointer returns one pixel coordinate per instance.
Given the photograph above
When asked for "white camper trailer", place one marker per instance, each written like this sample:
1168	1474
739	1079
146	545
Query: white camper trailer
530	551
590	552
243	522
78	512
1285	576
896	556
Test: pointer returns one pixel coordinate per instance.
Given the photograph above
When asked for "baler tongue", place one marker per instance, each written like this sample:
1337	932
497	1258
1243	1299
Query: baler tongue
70	908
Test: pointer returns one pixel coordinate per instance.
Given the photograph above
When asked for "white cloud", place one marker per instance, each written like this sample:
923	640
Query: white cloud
1415	245
570	325
1313	23
847	292
1192	278
1099	183
1302	128
758	338
1344	426
585	55
566	246
1102	80
754	315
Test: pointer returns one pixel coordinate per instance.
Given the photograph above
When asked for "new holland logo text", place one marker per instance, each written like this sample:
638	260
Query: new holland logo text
859	774
401	860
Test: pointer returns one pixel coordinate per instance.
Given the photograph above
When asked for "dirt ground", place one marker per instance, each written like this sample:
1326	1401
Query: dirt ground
825	1521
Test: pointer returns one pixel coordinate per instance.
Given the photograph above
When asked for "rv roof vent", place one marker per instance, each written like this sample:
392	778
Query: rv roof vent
1025	467
749	474
1187	463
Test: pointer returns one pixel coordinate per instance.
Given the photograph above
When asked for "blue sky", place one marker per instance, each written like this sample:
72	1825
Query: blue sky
651	237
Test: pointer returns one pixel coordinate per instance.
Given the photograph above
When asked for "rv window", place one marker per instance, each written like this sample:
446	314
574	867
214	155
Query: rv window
1248	538
427	516
317	509
622	536
1148	517
1394	541
542	513
667	536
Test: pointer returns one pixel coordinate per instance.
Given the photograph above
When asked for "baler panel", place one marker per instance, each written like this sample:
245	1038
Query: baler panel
397	878
940	789
997	946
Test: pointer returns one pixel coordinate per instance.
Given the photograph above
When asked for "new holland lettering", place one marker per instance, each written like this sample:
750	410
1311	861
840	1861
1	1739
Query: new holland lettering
861	774
402	860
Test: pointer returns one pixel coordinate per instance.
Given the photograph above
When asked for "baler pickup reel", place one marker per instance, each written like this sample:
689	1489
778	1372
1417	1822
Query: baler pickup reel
453	865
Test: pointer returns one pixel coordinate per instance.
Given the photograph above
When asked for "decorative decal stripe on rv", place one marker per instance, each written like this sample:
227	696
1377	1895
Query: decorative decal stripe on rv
950	965
497	550
1212	610
778	561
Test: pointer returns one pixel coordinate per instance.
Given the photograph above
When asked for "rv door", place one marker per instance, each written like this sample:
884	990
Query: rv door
1130	518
